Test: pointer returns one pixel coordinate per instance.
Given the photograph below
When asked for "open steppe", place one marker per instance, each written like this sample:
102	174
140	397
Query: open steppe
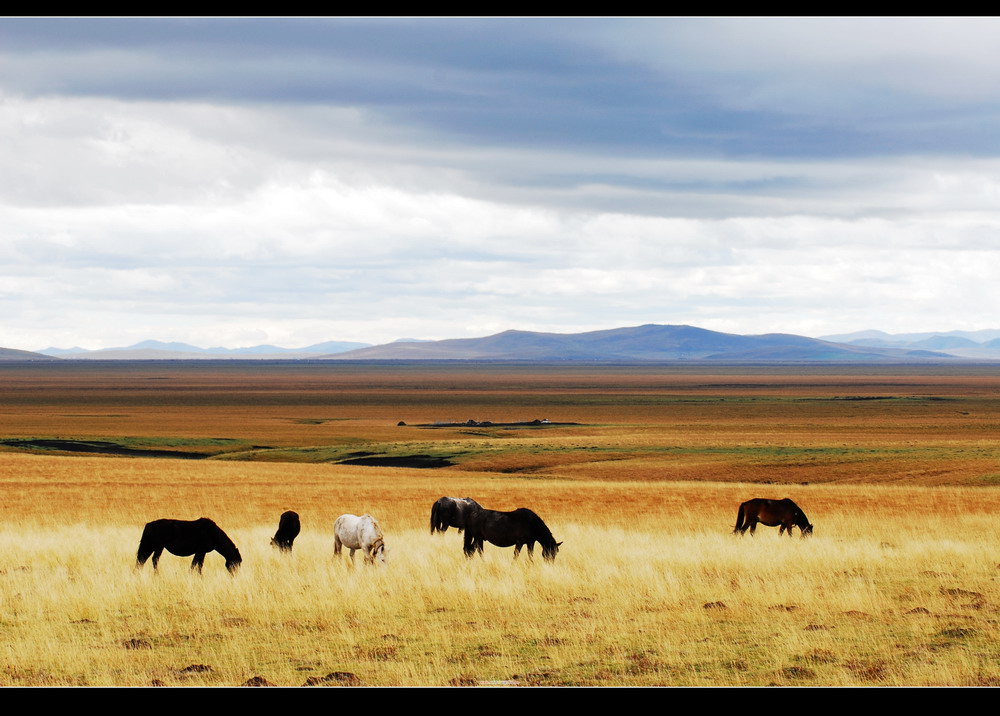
896	466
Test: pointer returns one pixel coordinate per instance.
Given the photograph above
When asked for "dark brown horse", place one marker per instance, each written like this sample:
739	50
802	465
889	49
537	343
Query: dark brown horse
185	538
451	512
508	529
288	529
772	513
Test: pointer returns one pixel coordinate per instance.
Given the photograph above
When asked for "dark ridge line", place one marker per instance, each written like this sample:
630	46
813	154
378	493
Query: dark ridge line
488	424
417	461
102	448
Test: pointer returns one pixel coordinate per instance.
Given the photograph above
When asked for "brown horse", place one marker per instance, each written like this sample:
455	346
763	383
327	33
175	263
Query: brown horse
508	529
772	513
451	512
288	529
184	538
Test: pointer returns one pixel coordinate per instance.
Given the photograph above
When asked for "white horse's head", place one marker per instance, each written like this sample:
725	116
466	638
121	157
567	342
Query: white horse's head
378	551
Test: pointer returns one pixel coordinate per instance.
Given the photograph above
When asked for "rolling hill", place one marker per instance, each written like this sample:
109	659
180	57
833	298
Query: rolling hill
13	354
650	342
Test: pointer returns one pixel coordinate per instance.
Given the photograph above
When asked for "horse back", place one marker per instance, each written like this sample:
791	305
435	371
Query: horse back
180	537
289	526
505	529
352	530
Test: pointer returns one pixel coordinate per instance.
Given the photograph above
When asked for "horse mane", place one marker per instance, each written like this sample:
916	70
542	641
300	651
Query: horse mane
376	525
530	518
222	539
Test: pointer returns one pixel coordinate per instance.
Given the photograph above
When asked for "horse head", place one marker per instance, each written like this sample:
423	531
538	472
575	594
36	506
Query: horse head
807	530
234	561
378	550
549	551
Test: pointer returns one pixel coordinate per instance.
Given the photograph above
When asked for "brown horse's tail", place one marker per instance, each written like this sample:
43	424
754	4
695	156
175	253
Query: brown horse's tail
146	548
438	523
741	519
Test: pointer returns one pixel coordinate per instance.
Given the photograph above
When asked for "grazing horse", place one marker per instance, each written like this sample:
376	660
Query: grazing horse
185	538
288	529
451	512
772	513
357	533
505	529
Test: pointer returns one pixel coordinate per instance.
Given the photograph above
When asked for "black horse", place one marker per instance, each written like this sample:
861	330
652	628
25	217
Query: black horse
451	512
185	538
505	529
772	513
288	529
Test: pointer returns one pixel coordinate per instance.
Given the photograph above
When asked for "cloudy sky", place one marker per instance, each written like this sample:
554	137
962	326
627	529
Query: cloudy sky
237	182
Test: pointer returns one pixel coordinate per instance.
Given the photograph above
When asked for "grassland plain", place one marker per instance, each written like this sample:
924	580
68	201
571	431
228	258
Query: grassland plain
897	587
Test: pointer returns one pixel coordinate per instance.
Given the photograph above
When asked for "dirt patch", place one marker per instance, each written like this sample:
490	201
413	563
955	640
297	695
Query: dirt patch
783	608
195	669
868	670
257	681
798	672
335	678
820	656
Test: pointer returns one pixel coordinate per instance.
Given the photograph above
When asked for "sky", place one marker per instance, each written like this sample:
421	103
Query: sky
235	182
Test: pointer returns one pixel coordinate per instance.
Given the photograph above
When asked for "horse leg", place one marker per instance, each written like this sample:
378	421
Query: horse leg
198	561
517	549
753	526
337	545
473	545
352	555
156	558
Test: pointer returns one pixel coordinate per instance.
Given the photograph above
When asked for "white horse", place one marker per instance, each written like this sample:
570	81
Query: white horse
357	533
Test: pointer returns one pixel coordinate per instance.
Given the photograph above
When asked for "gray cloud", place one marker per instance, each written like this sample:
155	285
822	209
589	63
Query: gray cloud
291	181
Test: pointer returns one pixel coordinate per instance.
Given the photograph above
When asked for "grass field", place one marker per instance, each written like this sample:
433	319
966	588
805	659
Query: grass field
895	467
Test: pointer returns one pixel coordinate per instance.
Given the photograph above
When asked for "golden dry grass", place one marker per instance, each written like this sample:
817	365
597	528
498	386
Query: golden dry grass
898	587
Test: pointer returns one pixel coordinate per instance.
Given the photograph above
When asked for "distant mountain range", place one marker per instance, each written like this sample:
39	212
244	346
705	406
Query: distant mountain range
158	350
653	343
979	345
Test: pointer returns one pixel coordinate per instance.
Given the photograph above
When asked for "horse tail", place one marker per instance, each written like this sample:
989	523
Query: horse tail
741	519
436	525
148	544
142	554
